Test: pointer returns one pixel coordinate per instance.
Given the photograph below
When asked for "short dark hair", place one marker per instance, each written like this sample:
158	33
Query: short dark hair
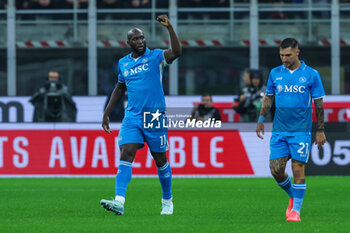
289	42
207	94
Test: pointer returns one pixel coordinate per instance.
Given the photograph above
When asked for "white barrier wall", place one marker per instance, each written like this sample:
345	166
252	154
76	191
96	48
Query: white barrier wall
90	109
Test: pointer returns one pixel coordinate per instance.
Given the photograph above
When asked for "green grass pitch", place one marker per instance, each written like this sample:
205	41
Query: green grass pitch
223	205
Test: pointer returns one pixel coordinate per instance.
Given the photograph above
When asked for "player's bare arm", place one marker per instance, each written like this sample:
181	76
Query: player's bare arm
277	167
265	108
116	96
320	135
176	49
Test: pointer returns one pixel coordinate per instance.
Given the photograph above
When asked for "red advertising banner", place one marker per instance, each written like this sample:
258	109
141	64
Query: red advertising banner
334	112
93	152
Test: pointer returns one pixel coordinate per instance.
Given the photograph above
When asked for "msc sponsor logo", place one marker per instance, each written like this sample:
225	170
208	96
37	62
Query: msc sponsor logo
291	88
5	111
136	70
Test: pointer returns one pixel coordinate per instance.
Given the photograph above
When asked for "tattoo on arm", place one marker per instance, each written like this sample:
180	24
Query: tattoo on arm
267	104
319	113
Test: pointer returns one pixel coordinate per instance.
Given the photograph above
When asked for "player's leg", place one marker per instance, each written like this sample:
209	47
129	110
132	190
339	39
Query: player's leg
299	188
165	179
157	140
130	139
164	173
128	152
127	156
278	161
277	167
300	151
299	185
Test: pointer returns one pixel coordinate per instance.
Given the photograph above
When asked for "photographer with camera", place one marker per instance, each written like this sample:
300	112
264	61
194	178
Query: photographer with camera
205	110
250	99
53	102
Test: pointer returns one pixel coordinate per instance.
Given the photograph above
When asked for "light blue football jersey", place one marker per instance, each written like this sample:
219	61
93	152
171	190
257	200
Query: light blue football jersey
294	92
143	79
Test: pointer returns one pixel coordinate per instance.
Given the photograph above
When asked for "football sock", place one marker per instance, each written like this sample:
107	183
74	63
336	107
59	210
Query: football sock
287	186
164	174
299	192
123	178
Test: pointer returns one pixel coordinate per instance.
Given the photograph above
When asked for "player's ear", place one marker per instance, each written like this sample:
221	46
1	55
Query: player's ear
298	51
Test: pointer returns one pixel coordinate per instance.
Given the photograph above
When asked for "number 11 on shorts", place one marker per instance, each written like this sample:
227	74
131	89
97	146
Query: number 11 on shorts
163	141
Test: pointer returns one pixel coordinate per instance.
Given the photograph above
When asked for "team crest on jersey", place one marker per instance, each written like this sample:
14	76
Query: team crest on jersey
302	79
126	73
145	60
279	88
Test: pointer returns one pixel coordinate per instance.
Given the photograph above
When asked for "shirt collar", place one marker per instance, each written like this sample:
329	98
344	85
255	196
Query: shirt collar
302	66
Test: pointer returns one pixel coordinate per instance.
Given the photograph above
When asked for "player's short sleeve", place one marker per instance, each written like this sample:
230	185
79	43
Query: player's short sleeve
159	53
120	75
270	88
317	90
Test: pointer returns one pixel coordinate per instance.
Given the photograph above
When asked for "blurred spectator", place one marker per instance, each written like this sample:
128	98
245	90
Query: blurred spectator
321	14
298	14
111	4
250	100
3	4
204	3
53	103
40	5
205	110
69	4
219	4
278	14
22	4
193	4
239	105
138	4
162	4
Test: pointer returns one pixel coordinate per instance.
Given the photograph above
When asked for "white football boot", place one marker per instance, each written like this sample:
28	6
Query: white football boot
167	207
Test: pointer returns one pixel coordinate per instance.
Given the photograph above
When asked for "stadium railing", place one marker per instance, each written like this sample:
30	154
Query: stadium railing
308	21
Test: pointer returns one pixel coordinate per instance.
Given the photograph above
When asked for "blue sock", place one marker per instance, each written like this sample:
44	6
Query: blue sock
287	186
299	192
123	178
164	174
